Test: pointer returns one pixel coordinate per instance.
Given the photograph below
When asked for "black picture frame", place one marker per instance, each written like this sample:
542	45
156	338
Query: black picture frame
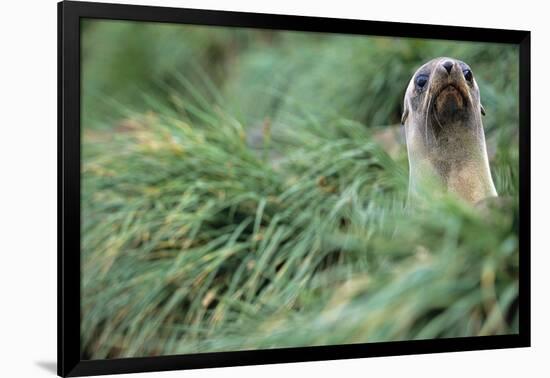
69	158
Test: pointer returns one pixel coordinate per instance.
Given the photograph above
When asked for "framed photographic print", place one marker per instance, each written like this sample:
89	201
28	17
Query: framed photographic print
239	188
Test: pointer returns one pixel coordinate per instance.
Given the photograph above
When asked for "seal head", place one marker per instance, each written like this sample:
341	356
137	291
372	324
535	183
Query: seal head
444	131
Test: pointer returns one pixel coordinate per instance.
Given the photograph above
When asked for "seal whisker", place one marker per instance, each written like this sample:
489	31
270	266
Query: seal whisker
428	112
438	122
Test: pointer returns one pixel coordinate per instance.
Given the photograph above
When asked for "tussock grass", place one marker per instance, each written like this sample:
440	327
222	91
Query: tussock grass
189	235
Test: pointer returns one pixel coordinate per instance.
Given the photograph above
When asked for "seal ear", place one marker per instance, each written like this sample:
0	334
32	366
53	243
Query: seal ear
482	109
405	113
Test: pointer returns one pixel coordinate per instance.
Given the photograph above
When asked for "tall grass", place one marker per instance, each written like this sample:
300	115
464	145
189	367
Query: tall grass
194	242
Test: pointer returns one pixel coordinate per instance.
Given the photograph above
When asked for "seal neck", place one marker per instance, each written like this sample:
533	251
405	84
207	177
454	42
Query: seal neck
457	163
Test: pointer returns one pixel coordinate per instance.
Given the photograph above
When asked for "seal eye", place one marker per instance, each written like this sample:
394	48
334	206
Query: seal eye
421	80
468	75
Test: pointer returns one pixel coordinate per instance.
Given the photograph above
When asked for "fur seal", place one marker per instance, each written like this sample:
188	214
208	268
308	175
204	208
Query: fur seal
444	132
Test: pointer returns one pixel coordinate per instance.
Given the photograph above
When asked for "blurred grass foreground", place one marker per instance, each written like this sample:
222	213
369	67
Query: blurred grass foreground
238	193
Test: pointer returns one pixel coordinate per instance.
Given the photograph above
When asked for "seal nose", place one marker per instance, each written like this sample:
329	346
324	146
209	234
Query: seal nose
448	66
